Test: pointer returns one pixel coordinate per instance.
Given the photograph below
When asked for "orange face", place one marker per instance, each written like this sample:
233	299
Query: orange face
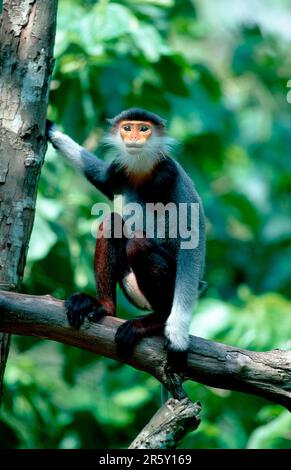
135	133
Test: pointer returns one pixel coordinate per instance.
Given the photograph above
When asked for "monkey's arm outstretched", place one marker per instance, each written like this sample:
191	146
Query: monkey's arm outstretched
93	168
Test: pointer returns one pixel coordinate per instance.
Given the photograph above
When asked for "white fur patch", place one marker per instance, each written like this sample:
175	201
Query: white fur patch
66	146
131	287
177	327
139	161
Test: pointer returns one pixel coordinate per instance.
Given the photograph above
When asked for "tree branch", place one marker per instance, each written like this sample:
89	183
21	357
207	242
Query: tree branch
169	425
266	374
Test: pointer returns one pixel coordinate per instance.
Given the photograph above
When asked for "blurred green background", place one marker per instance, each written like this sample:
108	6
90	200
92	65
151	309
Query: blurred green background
218	72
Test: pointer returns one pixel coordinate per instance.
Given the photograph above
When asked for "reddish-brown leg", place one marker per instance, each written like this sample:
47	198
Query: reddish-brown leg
109	264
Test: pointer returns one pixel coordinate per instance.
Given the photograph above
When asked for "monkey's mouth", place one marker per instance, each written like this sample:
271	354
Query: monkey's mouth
134	146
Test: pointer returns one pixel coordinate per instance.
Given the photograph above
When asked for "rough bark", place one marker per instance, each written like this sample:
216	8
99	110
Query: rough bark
169	425
27	32
4	350
266	374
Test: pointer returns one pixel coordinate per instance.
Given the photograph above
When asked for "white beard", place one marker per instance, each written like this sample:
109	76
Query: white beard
139	161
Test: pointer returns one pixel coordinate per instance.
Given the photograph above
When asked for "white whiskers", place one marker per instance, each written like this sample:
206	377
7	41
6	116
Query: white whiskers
139	161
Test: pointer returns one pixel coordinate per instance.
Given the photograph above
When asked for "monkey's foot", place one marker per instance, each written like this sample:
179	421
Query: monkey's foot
176	358
80	306
126	337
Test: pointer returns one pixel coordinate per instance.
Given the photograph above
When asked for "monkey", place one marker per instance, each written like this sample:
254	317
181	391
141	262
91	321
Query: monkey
156	274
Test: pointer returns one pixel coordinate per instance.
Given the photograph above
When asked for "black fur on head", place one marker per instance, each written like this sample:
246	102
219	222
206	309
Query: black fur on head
138	114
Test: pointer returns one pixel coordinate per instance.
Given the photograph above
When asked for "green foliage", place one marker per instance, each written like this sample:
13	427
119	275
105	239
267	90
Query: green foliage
221	82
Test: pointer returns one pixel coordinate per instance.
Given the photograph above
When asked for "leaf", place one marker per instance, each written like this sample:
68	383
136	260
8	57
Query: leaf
42	239
273	435
150	43
107	22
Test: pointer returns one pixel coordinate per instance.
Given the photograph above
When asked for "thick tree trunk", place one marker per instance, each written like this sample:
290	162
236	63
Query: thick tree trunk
27	32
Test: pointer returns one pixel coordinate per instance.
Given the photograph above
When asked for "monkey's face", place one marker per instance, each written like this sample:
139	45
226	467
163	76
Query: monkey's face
138	145
135	134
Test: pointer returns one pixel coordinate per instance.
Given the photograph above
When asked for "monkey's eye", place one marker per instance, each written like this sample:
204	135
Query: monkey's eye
144	128
127	128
